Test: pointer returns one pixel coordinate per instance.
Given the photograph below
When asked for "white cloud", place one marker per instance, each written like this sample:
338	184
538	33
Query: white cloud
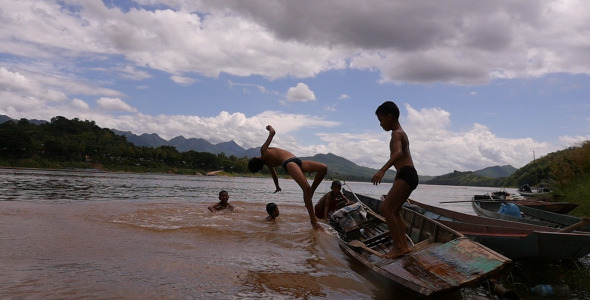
570	141
80	104
114	105
435	149
182	80
259	87
133	73
463	42
343	97
300	93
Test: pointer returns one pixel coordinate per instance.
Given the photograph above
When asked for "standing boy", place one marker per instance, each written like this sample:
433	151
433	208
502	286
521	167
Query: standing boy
274	157
405	181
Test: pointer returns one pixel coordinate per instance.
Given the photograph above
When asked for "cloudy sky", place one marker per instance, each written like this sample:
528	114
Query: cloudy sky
478	83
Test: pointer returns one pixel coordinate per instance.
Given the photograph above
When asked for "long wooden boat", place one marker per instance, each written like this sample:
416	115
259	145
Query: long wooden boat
442	259
515	240
529	215
562	220
559	207
540	191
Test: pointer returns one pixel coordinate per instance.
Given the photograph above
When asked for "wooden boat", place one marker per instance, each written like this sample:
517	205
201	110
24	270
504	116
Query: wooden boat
562	220
529	215
515	240
556	207
540	191
442	259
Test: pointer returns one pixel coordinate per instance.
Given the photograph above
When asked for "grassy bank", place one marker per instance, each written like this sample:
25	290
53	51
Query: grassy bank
577	191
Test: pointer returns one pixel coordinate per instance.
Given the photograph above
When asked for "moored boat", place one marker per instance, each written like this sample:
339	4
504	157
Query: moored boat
442	259
540	191
538	203
515	240
492	209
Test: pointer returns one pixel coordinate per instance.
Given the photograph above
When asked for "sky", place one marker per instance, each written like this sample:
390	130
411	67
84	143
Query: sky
478	83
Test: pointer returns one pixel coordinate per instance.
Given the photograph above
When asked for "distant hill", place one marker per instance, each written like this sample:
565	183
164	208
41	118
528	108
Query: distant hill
466	179
343	169
4	118
183	144
144	140
497	171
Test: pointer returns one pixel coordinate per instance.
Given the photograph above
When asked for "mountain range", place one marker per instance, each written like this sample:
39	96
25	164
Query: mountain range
339	166
183	144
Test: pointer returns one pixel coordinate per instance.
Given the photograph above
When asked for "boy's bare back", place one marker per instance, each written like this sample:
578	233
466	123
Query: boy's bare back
274	157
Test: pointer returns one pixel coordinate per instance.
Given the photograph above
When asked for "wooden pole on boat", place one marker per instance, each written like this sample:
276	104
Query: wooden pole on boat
460	201
357	198
495	200
359	244
584	222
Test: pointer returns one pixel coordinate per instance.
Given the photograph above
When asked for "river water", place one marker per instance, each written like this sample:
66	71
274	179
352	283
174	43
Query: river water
99	235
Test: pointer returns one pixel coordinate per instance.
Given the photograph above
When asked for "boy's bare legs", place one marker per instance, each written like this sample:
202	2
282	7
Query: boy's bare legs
391	210
297	175
319	169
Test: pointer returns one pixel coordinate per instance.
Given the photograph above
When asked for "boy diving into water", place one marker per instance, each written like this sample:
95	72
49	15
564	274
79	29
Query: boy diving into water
274	157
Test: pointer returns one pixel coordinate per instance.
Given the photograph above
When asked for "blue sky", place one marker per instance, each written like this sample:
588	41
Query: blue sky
478	83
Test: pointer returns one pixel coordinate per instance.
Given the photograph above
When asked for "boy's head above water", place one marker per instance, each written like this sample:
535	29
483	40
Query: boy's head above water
272	209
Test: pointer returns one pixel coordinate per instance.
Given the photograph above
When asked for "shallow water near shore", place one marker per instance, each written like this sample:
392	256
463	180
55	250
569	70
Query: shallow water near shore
83	234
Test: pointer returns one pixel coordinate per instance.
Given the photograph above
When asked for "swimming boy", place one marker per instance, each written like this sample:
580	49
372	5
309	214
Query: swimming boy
295	167
331	201
406	179
223	204
273	211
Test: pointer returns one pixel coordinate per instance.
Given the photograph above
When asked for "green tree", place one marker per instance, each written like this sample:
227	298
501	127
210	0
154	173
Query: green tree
15	143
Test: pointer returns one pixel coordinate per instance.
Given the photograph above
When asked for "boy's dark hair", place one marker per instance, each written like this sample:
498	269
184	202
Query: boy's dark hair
336	182
270	207
388	107
222	191
255	164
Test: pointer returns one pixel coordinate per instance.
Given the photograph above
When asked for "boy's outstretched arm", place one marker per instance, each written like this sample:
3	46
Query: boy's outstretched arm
275	178
271	134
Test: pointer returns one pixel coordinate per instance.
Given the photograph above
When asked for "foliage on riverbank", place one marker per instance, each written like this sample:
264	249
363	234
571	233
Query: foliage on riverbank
566	171
64	143
466	179
571	172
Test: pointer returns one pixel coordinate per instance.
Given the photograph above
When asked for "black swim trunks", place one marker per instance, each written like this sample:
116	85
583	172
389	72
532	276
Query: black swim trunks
409	175
292	159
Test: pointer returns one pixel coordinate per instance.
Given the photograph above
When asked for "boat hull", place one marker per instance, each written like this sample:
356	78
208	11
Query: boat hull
524	244
442	259
515	240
